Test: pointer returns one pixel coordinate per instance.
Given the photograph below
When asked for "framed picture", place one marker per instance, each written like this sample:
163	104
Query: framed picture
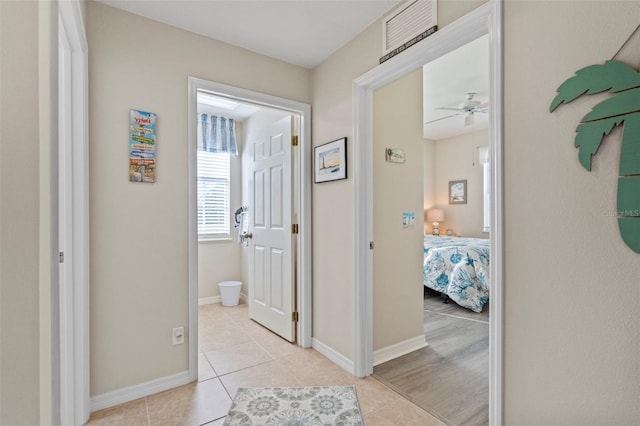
457	192
330	161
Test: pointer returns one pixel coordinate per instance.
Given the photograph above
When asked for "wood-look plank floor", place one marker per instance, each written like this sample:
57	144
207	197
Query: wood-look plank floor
450	377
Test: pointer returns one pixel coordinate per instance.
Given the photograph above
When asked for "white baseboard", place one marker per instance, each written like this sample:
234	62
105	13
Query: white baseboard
218	299
394	351
130	393
209	300
337	358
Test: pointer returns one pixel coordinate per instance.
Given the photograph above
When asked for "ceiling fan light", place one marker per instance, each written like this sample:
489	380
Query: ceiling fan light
468	118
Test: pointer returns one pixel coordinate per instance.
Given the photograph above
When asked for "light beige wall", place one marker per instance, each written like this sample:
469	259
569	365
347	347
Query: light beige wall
48	285
222	260
397	258
24	124
429	176
572	332
333	202
1	276
457	159
450	10
218	261
139	231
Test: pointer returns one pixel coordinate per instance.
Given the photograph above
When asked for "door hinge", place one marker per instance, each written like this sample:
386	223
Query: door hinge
294	228
61	257
294	141
370	245
294	316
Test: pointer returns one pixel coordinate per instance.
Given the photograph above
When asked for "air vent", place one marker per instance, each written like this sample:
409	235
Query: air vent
413	20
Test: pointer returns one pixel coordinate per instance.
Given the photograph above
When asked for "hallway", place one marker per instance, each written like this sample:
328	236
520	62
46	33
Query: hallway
237	352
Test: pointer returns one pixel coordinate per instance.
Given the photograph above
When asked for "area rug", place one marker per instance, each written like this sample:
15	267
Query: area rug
317	405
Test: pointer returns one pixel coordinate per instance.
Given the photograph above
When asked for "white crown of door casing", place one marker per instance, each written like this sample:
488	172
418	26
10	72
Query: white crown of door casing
486	19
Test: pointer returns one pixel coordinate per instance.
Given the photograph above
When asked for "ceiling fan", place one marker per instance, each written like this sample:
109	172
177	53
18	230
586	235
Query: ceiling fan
469	107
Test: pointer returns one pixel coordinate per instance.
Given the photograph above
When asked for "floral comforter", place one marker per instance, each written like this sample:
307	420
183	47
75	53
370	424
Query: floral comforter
459	268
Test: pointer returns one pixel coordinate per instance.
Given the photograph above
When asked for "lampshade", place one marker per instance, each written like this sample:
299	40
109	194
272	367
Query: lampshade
435	215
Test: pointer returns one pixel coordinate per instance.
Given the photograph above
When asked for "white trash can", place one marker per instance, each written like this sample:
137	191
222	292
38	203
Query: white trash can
230	292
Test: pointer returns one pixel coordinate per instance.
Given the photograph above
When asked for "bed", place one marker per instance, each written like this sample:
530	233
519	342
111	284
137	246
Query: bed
458	268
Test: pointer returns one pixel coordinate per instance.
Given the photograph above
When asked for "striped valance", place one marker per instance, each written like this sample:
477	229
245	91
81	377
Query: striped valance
217	134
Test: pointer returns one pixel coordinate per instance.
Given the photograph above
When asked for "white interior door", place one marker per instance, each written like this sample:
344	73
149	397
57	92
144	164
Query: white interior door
271	286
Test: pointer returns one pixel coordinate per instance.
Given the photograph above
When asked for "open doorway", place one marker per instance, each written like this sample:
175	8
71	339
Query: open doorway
228	131
439	116
226	257
486	19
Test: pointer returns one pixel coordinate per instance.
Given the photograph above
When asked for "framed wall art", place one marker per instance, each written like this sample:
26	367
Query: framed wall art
142	146
330	161
458	192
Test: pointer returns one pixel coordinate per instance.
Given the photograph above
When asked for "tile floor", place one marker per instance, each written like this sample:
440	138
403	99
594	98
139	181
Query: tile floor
237	352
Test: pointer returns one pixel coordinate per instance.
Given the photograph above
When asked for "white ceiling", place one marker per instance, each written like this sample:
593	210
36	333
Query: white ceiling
305	32
446	82
301	32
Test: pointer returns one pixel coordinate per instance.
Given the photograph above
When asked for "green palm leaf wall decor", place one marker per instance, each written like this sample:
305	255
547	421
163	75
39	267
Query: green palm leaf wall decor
623	109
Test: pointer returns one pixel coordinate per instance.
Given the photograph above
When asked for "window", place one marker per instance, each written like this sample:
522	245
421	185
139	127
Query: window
213	195
486	187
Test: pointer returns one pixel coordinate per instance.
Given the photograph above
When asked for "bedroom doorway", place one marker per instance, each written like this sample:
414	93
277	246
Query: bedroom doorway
442	362
484	20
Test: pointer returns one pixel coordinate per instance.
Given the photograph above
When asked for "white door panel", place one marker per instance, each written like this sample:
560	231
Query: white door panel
271	287
277	297
258	199
258	281
277	219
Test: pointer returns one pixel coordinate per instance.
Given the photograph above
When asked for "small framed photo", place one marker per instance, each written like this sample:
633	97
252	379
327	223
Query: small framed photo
457	192
330	161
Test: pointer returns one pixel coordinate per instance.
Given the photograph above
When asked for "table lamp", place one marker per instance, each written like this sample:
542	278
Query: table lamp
435	216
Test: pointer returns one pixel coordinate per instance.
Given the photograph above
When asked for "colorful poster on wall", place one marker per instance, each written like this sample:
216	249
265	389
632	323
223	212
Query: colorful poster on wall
408	219
142	146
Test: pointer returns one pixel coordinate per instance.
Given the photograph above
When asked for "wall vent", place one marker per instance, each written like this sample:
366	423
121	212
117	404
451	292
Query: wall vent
408	22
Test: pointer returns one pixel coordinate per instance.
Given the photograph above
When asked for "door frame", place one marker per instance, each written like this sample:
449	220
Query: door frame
486	19
303	247
70	313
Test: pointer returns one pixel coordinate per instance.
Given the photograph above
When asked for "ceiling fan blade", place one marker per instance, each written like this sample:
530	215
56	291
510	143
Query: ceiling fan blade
448	109
469	120
441	118
483	105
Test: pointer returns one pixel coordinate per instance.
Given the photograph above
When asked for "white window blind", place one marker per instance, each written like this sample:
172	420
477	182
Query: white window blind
213	195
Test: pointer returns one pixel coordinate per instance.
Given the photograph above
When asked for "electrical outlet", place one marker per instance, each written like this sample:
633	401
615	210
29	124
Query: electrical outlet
178	335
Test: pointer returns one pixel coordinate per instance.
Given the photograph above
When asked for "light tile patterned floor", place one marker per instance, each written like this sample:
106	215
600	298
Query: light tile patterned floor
237	352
